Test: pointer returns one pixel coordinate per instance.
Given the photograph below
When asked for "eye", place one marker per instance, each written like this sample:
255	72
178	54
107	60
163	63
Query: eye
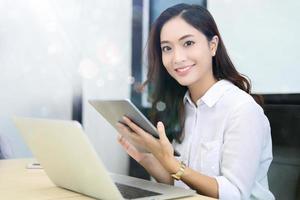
188	43
165	48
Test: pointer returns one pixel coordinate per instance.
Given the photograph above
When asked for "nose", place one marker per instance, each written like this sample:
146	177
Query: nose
179	56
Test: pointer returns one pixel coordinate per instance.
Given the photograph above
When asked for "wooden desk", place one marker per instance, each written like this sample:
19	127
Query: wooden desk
17	182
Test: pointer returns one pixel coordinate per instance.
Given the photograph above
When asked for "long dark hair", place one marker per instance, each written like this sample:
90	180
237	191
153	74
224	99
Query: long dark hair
166	89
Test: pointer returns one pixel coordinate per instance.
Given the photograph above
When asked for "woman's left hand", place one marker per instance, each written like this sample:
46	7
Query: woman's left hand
161	148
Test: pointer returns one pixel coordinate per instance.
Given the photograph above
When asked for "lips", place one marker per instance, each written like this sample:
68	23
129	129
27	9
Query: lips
183	70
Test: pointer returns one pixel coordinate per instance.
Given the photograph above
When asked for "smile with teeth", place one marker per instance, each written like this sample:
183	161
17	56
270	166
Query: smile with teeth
183	69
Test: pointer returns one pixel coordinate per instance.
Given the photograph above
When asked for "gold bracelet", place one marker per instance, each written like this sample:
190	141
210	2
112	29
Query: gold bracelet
177	175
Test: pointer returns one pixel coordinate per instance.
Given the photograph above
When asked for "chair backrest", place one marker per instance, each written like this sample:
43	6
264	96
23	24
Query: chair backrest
284	173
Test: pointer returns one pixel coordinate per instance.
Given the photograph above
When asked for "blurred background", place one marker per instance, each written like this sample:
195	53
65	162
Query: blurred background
56	55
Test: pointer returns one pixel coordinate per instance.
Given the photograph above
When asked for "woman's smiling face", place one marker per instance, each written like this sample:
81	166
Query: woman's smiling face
186	53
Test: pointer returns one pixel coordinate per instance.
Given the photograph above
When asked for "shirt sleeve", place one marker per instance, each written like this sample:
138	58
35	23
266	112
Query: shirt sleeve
243	144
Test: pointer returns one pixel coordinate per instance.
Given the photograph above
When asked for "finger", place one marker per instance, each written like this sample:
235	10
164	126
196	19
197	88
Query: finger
126	134
124	143
161	131
120	125
130	149
119	137
123	129
122	140
134	127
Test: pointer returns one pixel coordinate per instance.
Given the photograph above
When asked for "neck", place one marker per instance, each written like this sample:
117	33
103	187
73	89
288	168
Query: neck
198	89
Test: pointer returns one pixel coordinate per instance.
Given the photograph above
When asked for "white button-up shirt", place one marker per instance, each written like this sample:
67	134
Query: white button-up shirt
227	136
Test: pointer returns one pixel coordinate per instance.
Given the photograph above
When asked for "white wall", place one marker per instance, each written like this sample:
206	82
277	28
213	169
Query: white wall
262	38
36	62
47	48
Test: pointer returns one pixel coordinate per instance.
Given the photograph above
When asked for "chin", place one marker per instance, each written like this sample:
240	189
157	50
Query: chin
184	82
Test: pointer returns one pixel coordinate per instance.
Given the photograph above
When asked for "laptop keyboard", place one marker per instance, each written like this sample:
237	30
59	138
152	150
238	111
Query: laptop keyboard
130	192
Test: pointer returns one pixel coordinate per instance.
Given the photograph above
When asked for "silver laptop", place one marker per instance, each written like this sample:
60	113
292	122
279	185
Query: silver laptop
71	162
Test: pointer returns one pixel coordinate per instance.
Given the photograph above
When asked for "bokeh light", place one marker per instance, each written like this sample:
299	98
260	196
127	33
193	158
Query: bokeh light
109	53
88	69
160	106
130	80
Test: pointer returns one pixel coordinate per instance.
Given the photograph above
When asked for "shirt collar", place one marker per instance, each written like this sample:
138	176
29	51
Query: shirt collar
212	95
187	98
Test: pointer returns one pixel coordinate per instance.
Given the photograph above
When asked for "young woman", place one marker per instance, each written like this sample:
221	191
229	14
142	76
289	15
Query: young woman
220	131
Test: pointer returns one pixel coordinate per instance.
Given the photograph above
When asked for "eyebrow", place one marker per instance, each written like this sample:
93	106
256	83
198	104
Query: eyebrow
181	38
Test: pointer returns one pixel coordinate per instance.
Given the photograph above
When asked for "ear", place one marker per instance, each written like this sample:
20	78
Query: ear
213	44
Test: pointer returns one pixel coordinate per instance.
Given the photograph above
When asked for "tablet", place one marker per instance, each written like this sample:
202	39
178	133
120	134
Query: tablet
114	110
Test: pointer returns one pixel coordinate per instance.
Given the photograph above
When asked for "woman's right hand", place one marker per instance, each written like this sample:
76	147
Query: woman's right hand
145	159
134	150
